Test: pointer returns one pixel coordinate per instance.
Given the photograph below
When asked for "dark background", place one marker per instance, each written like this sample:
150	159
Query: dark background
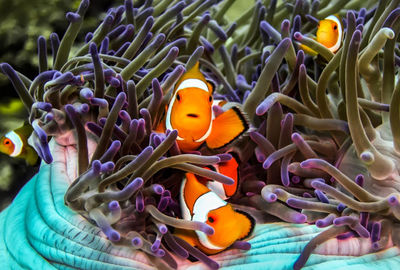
21	23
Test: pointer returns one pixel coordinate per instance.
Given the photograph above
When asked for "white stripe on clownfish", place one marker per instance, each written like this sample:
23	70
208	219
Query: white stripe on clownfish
204	204
185	210
336	47
168	125
196	83
16	140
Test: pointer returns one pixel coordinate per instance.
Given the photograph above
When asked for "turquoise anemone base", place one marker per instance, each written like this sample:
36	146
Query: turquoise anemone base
38	231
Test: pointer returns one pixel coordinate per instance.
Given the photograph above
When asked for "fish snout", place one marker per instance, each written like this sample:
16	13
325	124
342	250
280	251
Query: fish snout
192	115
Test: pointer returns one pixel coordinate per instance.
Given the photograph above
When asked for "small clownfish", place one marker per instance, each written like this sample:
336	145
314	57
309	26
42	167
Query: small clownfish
228	168
15	144
329	34
199	203
191	113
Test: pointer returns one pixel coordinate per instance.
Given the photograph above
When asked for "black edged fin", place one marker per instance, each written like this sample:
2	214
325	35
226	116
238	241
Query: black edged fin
224	132
252	221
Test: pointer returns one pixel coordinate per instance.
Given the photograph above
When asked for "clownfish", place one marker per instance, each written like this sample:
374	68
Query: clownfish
228	168
15	144
190	112
199	203
329	34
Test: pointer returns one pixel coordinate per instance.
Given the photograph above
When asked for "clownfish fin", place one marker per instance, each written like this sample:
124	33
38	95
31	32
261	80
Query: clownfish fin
220	102
160	127
308	50
24	131
226	128
247	224
31	157
211	86
230	168
187	235
193	73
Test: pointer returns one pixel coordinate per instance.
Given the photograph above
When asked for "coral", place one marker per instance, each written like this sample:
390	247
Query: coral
323	148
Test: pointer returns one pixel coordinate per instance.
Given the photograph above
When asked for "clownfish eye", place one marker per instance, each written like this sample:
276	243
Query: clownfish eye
211	219
210	98
7	142
178	97
335	27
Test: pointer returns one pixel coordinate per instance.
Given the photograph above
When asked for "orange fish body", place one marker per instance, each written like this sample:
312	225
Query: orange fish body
199	203
15	144
329	34
190	113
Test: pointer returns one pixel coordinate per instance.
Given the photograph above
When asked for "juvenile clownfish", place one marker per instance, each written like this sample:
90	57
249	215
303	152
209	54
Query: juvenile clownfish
190	112
15	144
199	203
329	34
228	168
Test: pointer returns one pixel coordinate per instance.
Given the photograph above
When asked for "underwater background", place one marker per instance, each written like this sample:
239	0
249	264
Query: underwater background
22	22
317	159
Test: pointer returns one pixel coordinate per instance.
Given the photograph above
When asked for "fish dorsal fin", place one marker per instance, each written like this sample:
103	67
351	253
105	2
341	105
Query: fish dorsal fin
193	74
24	131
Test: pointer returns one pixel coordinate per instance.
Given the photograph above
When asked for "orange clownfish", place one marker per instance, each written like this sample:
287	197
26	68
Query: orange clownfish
15	144
190	112
199	203
329	34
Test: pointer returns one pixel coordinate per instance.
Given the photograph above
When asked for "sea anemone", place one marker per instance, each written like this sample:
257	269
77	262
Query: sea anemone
318	167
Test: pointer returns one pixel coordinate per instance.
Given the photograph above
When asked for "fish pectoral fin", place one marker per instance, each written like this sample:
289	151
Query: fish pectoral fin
227	127
247	223
188	236
161	127
308	50
31	156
